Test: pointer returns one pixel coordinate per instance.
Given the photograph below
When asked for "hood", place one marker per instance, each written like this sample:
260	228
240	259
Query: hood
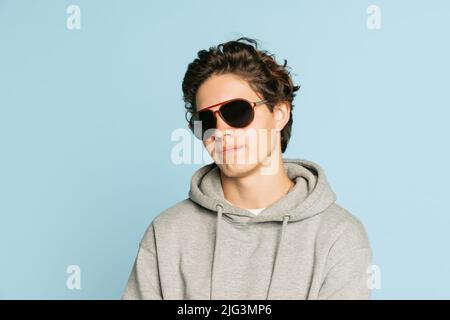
310	196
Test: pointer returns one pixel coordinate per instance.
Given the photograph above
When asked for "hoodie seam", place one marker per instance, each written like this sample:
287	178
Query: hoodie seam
345	256
154	253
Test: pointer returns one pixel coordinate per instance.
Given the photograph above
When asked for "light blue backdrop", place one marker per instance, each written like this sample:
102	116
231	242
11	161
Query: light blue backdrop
86	117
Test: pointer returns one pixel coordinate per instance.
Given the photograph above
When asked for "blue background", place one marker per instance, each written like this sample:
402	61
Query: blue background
86	117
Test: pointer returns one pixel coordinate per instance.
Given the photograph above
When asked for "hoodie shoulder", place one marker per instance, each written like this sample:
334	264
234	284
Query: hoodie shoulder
178	211
343	230
173	219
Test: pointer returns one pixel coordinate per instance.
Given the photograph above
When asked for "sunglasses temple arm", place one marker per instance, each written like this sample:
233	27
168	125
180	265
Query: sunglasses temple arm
261	102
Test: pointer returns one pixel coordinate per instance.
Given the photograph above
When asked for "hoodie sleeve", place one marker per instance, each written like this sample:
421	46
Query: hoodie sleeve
347	267
143	282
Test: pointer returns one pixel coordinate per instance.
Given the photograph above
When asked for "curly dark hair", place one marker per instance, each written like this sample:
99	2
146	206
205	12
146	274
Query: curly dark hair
242	58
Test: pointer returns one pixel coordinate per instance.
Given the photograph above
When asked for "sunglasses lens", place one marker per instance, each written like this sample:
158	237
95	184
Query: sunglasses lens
237	113
201	122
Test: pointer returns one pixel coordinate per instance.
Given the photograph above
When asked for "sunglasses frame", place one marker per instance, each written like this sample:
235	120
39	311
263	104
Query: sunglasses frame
253	104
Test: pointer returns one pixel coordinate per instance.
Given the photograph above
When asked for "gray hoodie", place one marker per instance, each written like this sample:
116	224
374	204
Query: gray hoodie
304	246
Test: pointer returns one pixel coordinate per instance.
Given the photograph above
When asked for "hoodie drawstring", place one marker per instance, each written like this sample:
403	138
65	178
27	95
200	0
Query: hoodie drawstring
286	218
219	208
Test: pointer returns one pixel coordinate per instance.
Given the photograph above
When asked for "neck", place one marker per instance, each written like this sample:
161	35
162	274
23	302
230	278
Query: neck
257	190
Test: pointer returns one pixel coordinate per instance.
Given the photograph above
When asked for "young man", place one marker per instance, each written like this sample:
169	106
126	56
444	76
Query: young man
255	225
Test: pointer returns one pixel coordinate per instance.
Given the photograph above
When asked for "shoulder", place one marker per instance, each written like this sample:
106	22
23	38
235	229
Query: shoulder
342	229
182	213
174	220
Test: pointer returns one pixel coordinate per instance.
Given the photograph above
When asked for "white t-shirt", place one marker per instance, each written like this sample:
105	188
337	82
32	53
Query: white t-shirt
254	211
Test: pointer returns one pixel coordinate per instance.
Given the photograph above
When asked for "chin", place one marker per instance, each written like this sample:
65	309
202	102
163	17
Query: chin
241	165
237	170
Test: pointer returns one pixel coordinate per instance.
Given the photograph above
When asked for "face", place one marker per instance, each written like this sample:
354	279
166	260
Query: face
240	151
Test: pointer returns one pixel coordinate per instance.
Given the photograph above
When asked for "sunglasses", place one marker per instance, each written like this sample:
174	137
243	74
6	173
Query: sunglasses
237	113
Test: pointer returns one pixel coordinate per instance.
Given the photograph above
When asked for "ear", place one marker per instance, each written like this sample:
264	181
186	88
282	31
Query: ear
282	113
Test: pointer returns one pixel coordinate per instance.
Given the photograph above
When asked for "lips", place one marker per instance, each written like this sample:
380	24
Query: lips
231	148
